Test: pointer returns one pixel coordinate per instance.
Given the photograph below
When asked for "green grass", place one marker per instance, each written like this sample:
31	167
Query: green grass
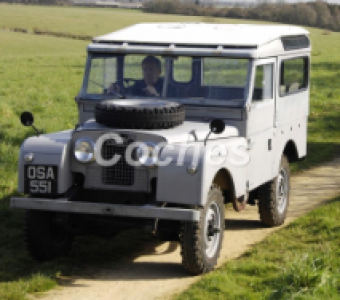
43	74
300	261
82	20
323	129
89	21
40	74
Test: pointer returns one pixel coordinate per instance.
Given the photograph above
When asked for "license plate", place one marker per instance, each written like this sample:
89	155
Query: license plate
41	179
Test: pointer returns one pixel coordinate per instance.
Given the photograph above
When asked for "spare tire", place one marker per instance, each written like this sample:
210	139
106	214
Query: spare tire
139	114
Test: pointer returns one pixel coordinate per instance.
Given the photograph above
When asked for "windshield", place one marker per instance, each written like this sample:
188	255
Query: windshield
192	80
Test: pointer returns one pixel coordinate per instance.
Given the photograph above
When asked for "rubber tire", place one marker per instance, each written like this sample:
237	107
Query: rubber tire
39	241
268	200
113	113
193	253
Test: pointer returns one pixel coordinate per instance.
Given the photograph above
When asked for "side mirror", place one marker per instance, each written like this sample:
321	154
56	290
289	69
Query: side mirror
27	118
217	126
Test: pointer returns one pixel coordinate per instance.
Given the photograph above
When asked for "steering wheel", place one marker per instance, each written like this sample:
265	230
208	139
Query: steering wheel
126	84
124	87
109	91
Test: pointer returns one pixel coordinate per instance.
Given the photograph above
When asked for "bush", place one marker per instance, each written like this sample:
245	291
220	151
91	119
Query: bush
319	13
163	6
62	34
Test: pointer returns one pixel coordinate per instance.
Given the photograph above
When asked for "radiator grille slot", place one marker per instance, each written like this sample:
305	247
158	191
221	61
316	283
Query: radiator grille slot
120	173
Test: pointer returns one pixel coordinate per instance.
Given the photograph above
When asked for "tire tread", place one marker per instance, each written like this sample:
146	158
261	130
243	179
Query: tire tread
191	240
266	205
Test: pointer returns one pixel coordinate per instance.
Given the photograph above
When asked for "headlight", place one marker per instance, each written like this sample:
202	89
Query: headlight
147	154
84	150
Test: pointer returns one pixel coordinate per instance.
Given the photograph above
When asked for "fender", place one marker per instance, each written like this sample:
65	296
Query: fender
49	149
177	185
235	163
291	141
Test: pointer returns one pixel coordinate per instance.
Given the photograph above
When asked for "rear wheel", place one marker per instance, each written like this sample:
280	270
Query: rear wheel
274	196
44	238
202	241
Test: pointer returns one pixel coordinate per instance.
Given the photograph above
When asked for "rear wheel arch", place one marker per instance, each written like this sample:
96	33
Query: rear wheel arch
291	152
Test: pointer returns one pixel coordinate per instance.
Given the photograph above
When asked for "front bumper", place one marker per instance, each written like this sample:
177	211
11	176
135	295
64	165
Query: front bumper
115	210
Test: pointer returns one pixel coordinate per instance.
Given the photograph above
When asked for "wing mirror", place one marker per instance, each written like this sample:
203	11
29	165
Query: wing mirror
27	119
217	126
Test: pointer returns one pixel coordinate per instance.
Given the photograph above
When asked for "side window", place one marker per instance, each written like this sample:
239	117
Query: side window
182	69
294	75
263	83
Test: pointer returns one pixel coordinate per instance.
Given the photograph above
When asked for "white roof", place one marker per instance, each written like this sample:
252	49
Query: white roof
202	34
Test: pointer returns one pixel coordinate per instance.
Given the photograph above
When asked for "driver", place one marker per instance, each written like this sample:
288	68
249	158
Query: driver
151	84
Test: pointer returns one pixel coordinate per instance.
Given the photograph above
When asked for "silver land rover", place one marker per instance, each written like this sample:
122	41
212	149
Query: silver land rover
175	121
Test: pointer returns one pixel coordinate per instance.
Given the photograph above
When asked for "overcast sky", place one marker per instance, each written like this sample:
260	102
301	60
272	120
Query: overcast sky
329	1
291	1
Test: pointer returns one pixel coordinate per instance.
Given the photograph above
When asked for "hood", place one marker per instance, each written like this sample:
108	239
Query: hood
189	131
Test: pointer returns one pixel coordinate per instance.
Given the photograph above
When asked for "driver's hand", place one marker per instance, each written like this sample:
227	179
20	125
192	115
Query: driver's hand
151	91
113	88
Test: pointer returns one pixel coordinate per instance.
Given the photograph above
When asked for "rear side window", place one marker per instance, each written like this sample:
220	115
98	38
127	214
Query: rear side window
294	75
183	69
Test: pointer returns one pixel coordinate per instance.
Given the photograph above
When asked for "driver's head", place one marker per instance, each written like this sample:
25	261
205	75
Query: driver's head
152	68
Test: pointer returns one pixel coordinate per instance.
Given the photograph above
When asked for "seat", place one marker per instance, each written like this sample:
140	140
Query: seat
283	89
293	87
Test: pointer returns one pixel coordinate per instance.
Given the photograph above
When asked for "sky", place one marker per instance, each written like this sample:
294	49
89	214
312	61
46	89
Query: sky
288	1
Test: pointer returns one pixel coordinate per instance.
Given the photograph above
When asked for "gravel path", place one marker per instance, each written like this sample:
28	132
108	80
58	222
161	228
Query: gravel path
158	274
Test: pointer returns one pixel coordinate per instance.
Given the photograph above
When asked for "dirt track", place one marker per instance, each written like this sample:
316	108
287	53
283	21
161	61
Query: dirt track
158	274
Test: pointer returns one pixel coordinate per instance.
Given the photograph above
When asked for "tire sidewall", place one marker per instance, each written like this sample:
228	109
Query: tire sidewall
214	197
284	165
40	242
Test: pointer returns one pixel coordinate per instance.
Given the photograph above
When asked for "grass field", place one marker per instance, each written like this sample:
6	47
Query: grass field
43	74
323	132
82	20
299	262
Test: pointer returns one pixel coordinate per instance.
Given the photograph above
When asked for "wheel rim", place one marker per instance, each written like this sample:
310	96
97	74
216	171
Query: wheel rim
212	228
282	191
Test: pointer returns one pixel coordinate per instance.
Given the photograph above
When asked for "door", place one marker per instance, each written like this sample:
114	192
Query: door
260	123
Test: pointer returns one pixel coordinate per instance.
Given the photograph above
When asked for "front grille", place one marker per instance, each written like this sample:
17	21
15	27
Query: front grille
120	173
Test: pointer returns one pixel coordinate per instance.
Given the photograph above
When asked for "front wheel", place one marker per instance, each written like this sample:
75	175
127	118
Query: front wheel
274	196
44	238
201	241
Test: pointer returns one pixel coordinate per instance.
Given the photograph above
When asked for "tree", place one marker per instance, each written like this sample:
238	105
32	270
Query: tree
324	17
304	14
